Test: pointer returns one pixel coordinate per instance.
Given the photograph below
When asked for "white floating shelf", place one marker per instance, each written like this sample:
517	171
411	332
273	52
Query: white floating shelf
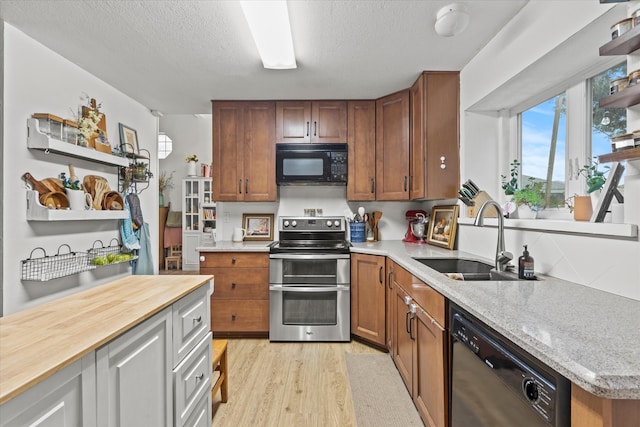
38	212
41	141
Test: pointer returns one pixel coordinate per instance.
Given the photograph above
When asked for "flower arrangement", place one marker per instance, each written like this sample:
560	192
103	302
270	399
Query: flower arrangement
191	158
165	182
88	123
595	178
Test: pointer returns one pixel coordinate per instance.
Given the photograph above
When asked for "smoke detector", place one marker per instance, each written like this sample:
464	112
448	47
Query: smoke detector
451	20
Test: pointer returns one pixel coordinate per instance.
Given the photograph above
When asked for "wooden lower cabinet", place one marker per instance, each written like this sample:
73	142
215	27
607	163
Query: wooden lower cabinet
419	345
240	301
368	286
588	410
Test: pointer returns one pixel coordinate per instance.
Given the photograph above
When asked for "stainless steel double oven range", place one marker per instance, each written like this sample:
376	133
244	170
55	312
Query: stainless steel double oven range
310	281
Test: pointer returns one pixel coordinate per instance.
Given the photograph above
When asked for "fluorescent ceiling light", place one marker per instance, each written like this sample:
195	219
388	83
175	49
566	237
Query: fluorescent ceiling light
269	24
165	145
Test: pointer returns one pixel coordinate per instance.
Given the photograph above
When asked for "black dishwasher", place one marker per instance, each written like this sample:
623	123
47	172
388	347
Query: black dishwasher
496	384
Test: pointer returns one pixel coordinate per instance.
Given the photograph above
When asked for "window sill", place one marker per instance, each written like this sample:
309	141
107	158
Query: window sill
565	227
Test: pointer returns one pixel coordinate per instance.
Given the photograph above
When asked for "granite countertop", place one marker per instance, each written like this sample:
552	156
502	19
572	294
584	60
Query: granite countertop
589	336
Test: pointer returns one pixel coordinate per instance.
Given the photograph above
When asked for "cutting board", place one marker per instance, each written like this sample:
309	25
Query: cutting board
47	185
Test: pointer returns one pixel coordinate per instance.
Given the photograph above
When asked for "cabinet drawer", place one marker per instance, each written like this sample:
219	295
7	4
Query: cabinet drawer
240	283
402	277
235	259
191	317
201	415
192	380
429	299
240	316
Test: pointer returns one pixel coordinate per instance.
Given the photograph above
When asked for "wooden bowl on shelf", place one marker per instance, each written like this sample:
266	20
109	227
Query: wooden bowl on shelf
113	201
54	200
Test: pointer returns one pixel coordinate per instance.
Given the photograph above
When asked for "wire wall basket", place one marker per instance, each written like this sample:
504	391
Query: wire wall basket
107	255
48	267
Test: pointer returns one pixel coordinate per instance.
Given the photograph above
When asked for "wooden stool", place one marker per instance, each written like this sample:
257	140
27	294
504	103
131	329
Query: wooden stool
220	365
175	255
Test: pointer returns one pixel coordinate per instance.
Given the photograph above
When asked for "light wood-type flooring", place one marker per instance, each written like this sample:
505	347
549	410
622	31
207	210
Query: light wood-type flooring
287	384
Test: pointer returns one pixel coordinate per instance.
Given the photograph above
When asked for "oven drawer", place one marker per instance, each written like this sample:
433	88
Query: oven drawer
240	316
244	283
235	259
192	380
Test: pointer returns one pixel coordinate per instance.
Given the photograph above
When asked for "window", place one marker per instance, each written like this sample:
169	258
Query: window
552	152
606	122
544	147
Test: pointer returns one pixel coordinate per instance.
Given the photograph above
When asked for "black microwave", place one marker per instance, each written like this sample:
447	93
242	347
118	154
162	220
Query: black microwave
311	164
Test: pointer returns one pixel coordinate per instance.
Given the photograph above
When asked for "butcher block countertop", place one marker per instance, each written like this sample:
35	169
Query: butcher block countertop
40	341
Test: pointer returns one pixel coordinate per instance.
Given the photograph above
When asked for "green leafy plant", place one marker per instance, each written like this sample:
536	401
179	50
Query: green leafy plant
532	194
511	186
595	178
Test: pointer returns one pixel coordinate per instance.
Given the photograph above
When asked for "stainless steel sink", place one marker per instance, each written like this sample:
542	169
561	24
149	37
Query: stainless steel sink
469	268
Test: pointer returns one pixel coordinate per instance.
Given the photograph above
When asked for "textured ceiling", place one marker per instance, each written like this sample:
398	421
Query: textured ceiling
175	56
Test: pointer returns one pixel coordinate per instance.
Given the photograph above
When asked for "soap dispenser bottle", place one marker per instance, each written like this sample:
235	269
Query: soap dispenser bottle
525	266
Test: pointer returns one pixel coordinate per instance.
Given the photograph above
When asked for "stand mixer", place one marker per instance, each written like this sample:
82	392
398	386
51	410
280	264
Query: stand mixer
417	230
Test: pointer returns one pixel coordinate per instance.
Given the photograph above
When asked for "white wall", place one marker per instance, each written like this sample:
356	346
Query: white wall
609	264
38	80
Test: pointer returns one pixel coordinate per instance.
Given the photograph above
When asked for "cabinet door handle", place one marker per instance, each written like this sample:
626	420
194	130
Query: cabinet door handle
307	128
406	322
200	377
373	186
233	285
240	187
197	319
233	316
380	275
246	186
315	128
389	284
411	327
233	260
405	183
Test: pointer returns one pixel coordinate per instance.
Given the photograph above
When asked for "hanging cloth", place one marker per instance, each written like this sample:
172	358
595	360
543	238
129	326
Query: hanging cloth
136	210
130	240
144	264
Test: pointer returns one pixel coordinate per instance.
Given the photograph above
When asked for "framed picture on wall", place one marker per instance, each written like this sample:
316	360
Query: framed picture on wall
258	226
128	140
442	226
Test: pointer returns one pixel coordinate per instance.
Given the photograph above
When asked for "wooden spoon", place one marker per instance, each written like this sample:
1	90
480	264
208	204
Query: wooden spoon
101	189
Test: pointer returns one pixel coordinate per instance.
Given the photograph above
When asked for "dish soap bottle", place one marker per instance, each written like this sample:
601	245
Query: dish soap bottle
525	266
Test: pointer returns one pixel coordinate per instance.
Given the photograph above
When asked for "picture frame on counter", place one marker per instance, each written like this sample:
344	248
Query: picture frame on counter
258	226
128	140
443	226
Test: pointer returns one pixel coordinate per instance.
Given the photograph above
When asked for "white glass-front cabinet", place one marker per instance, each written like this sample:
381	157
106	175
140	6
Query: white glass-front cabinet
198	219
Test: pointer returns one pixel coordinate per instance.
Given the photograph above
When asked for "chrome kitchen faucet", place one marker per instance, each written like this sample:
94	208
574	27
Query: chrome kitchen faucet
502	257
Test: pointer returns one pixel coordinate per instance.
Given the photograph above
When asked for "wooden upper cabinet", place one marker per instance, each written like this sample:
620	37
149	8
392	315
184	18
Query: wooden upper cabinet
244	151
311	121
435	122
392	146
362	150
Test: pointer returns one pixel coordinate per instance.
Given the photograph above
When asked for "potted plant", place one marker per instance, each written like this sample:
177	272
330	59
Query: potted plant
140	169
530	196
595	178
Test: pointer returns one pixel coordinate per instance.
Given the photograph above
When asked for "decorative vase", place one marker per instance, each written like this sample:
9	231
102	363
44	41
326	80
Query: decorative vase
191	168
161	199
582	208
525	212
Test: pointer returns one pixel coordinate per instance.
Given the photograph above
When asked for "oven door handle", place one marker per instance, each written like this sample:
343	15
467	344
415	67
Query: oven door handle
308	289
309	256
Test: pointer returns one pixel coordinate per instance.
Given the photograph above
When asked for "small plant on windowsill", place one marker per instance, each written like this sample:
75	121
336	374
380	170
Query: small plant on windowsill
531	194
595	178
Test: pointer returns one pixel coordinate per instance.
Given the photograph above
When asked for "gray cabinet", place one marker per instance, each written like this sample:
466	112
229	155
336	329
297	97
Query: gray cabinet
66	399
134	375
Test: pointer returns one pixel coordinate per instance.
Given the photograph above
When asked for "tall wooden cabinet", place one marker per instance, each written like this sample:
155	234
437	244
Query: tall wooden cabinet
244	151
311	121
361	140
434	168
368	283
240	303
392	147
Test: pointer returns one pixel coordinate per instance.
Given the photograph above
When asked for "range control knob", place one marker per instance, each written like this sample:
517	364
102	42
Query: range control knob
530	389
286	223
329	223
336	223
294	223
